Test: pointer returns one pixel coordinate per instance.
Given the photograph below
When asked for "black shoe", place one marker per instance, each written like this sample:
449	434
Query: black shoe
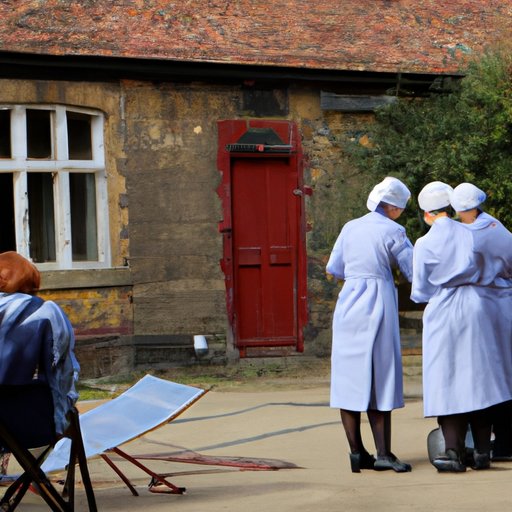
481	460
361	460
449	462
391	462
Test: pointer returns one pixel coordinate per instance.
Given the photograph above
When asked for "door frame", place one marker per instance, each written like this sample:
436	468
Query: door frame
229	133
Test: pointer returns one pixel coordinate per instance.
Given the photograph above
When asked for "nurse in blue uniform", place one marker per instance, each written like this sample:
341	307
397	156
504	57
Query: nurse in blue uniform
494	245
466	357
366	365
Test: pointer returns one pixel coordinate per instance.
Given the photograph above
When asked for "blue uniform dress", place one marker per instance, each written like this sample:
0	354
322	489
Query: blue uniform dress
464	273
366	363
36	338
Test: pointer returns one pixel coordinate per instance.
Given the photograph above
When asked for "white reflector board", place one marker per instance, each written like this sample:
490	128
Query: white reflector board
148	404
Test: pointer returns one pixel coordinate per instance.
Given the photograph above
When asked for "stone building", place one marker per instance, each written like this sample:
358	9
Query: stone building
176	169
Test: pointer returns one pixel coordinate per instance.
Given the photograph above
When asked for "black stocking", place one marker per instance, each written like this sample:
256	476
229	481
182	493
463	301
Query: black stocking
380	422
502	428
352	424
481	427
454	427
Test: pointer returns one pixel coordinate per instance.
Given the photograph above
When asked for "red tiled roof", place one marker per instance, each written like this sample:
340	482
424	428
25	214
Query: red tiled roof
420	36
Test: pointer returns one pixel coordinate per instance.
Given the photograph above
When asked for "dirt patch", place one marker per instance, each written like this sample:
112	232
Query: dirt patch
248	375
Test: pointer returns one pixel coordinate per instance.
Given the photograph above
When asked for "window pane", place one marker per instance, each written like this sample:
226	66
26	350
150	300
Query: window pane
7	233
5	134
79	136
41	217
84	233
39	134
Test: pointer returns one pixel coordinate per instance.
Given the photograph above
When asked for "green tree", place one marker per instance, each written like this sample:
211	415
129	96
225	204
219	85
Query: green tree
464	135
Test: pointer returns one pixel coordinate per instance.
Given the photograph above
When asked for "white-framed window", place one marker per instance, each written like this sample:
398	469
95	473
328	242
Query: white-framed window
53	186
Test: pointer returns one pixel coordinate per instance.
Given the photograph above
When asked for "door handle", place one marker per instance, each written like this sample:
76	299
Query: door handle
304	190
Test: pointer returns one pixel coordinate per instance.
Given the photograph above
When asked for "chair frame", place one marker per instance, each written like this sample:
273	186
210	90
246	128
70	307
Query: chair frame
33	475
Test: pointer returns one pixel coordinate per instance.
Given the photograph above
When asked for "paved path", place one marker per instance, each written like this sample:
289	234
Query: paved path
297	426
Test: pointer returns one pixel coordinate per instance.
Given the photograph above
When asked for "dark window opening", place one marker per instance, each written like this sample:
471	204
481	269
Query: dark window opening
7	232
41	217
79	136
82	195
5	134
39	134
263	102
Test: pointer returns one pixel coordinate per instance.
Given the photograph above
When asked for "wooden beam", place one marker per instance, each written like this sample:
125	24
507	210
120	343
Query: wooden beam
353	102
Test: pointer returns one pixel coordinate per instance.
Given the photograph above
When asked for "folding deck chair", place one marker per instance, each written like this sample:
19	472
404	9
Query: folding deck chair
26	422
146	406
37	374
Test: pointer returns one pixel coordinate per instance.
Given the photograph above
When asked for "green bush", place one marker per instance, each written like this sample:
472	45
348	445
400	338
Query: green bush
464	135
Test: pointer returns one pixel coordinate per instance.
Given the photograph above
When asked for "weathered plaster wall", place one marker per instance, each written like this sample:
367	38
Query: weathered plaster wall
336	198
171	175
98	302
171	141
96	312
161	148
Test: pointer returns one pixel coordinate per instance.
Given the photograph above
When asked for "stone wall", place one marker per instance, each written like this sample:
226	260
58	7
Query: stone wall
161	149
175	247
339	194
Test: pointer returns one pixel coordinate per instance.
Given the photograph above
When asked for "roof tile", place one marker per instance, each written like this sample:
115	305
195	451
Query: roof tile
381	35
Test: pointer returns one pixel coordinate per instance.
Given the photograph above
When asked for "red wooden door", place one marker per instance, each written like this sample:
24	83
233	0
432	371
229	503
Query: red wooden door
265	223
263	229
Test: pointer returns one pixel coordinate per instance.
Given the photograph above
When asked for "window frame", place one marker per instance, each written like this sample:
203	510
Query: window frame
60	166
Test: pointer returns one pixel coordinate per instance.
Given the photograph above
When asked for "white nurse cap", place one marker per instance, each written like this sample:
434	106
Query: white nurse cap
389	190
434	196
466	197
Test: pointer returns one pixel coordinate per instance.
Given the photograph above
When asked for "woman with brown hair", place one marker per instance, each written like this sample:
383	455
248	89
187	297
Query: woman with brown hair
31	326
